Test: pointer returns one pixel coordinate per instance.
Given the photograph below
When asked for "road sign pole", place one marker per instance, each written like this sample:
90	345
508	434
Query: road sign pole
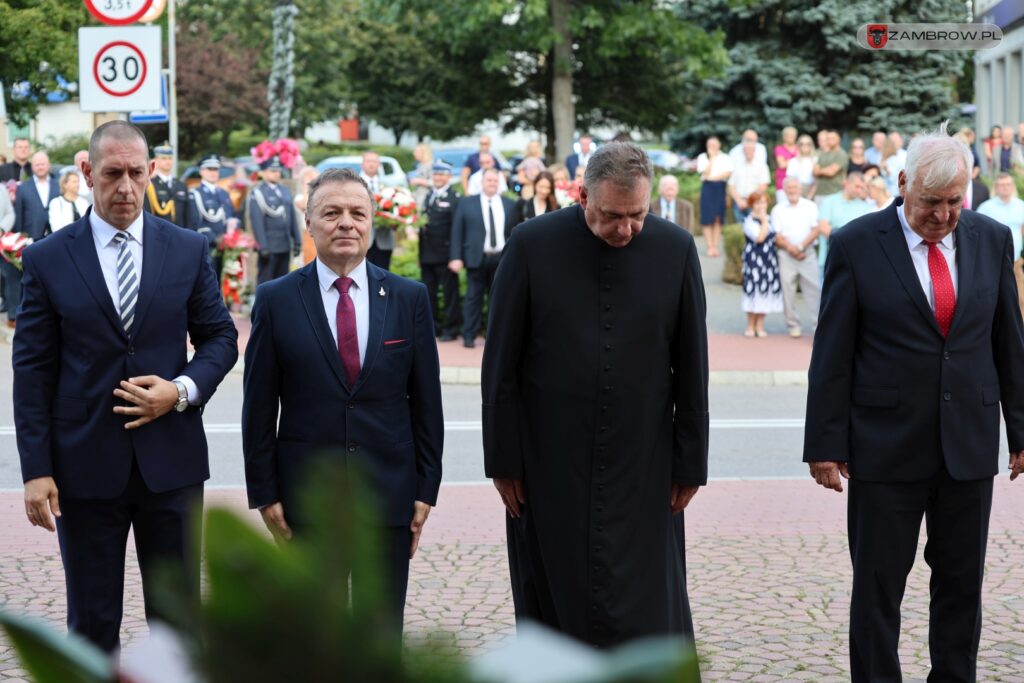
172	95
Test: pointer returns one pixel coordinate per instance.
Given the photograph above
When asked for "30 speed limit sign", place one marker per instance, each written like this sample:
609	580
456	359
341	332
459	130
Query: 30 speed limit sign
119	68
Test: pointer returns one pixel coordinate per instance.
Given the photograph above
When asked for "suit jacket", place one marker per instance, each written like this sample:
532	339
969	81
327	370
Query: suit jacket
888	394
299	407
12	170
31	215
683	216
436	235
572	162
469	231
979	193
71	351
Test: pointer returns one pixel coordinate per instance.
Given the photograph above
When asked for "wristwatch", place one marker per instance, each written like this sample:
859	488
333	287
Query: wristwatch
182	404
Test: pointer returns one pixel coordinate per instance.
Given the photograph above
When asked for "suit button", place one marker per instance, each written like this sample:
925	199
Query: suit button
351	448
607	307
351	405
947	396
945	355
607	347
607	327
131	350
607	288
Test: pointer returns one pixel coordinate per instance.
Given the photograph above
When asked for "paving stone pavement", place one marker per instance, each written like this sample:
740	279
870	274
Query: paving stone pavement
768	567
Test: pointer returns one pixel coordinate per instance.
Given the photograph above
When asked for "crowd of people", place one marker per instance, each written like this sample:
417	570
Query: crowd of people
818	189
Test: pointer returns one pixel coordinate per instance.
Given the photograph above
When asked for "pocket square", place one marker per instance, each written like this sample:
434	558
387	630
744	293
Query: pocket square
395	341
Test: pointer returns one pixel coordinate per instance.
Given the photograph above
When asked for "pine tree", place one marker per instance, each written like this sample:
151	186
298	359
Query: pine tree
797	63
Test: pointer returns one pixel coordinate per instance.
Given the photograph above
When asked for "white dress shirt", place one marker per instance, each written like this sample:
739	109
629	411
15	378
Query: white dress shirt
795	222
475	184
358	291
61	214
499	223
43	188
736	155
106	250
668	209
375	183
919	255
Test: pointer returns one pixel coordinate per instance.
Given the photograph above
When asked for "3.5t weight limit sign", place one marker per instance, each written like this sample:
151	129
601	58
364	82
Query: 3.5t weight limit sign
119	68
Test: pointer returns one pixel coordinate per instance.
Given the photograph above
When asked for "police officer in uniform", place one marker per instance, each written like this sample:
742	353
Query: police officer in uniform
274	226
212	207
435	245
166	196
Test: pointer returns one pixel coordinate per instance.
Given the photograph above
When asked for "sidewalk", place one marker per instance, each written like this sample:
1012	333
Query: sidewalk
768	572
732	358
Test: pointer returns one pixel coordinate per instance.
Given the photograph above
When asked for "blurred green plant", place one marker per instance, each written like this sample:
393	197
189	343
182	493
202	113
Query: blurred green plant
733	241
284	612
62	151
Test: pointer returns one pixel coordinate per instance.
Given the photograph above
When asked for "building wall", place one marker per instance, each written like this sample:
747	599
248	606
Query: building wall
999	72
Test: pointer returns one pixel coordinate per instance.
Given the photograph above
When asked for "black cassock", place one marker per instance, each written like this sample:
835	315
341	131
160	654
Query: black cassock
595	379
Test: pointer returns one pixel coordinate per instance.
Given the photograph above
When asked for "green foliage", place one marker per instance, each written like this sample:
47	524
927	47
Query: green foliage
38	42
406	260
796	62
50	657
62	151
733	242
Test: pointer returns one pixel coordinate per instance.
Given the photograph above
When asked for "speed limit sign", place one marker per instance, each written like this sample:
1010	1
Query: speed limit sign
119	68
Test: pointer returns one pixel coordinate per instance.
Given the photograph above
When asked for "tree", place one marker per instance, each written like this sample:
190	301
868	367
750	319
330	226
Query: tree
38	44
630	64
219	88
796	62
282	74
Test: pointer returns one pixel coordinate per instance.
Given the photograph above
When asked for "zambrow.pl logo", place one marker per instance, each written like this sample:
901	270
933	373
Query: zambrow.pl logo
878	35
887	36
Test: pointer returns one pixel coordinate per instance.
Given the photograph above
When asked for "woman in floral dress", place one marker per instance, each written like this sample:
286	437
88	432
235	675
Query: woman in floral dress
762	288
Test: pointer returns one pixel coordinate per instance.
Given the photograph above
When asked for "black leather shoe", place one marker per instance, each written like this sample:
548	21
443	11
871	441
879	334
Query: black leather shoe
447	337
469	343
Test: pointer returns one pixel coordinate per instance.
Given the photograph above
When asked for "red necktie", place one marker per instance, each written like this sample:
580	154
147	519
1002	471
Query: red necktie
348	339
942	285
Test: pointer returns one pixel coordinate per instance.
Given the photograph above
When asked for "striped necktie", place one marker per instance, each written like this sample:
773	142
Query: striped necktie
127	281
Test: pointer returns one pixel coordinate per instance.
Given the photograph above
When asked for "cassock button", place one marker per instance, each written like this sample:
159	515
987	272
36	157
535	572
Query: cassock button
131	350
945	355
351	448
598	548
603	428
607	266
607	288
601	467
604	407
599	508
600	528
351	405
607	327
947	396
607	347
607	307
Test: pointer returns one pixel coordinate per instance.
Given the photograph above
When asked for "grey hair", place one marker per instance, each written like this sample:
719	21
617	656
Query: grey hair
623	163
338	176
938	158
121	131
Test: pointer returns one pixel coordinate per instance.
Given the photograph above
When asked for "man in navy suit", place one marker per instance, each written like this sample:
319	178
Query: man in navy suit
212	210
577	159
106	403
32	218
919	340
342	365
482	225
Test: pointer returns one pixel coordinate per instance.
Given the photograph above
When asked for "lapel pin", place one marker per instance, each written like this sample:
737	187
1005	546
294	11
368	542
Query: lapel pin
381	292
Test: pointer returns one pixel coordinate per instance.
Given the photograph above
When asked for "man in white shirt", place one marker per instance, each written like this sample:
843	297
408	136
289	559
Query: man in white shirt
475	184
796	229
382	240
481	225
579	159
749	175
873	155
760	151
348	376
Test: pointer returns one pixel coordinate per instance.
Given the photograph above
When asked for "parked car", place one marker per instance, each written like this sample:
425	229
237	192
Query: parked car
394	176
663	159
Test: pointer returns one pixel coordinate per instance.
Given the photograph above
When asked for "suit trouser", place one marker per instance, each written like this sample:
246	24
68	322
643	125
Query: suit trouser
884	520
438	276
272	266
478	283
379	257
12	288
791	271
93	535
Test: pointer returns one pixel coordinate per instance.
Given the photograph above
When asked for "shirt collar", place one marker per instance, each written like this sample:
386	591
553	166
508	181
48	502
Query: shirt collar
207	184
105	232
40	181
914	240
328	277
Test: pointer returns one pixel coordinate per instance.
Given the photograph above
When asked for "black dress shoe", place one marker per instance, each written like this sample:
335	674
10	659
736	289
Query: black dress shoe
447	337
469	343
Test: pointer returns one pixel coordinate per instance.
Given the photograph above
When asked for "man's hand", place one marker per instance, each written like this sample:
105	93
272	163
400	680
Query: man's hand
273	517
828	474
40	501
419	518
1016	464
511	491
455	266
150	396
682	494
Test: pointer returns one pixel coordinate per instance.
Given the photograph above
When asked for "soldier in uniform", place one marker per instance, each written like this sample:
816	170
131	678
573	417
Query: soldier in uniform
435	245
212	207
166	196
273	223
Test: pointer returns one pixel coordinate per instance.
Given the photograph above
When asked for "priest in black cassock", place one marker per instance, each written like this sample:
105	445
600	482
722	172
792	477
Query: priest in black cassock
595	407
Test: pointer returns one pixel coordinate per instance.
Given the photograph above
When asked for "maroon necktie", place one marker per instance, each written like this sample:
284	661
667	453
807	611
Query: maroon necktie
942	285
348	339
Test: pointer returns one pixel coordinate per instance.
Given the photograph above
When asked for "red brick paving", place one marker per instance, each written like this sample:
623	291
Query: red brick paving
768	570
